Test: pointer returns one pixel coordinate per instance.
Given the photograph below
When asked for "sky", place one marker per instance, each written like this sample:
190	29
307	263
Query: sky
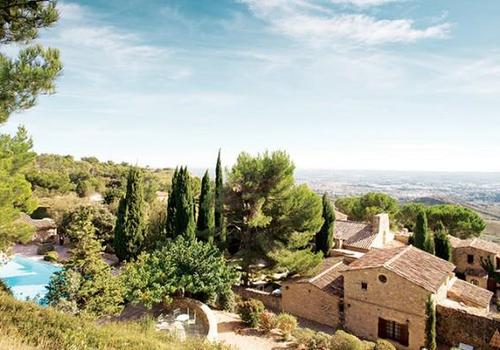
339	84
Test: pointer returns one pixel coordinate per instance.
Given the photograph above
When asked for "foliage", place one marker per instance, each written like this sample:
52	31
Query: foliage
286	323
267	321
311	340
266	211
155	230
130	222
205	223
249	311
422	233
5	288
16	155
40	328
34	70
363	208
180	208
182	266
51	256
383	344
102	219
219	219
45	248
294	262
324	237
227	300
442	244
345	341
430	324
85	285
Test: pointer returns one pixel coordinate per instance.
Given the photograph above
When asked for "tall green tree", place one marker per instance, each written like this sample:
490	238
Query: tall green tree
16	156
219	219
268	215
130	222
363	208
324	237
35	68
180	208
85	285
430	324
442	244
421	236
205	223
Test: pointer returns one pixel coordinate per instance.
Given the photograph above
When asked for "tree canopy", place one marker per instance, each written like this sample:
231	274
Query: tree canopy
180	208
205	222
363	208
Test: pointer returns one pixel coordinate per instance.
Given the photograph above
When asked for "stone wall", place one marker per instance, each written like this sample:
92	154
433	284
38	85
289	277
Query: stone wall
310	302
456	326
460	258
271	302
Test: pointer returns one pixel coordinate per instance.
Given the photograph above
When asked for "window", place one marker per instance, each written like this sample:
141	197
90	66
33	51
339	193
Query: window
470	259
364	285
474	282
393	330
382	278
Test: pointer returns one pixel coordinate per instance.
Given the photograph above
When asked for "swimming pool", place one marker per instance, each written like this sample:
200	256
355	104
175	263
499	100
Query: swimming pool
27	278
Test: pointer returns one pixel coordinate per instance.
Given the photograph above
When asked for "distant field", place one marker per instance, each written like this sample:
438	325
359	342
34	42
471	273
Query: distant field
492	231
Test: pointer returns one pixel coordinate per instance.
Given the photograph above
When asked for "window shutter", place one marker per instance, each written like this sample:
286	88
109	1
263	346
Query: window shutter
404	335
382	328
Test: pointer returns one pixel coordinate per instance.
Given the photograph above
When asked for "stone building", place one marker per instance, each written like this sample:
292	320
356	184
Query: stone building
45	230
468	255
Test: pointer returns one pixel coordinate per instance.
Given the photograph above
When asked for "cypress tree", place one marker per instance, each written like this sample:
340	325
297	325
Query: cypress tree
205	223
324	237
130	222
421	234
219	220
180	208
430	324
442	243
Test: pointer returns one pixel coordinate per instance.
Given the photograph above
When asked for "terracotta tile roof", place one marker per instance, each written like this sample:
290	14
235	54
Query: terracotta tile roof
476	243
354	234
413	264
469	294
329	278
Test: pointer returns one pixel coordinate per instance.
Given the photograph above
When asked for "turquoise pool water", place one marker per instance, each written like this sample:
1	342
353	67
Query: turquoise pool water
27	278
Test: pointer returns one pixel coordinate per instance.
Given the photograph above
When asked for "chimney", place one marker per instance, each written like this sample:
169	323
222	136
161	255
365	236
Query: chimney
381	225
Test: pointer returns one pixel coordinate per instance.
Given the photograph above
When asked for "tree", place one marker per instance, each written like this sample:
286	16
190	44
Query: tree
183	266
430	324
219	219
130	222
363	208
180	208
85	285
324	237
421	234
267	213
16	155
205	223
442	244
34	70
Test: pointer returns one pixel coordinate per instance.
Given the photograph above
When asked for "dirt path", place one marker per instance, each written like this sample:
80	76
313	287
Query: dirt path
233	332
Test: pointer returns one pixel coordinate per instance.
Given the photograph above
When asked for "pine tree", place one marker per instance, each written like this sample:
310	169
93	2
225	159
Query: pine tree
130	222
442	243
430	325
219	220
180	209
205	223
324	237
421	234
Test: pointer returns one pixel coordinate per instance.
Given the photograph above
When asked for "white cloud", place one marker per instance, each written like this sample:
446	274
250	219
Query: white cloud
321	25
363	3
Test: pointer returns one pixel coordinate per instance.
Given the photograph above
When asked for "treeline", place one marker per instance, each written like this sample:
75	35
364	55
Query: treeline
457	220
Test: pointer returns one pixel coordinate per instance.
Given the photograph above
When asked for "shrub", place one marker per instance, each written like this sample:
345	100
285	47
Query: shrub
45	248
51	256
5	288
227	300
286	323
250	311
311	340
267	321
382	344
345	341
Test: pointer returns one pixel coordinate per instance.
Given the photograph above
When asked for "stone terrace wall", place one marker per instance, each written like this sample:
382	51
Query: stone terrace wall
456	326
271	302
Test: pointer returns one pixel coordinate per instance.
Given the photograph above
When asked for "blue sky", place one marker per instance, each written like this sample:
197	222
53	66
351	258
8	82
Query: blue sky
339	84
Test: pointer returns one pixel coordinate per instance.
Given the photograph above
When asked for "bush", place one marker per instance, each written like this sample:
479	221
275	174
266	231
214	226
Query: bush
267	321
311	340
286	323
51	256
345	341
227	300
250	311
45	248
382	344
5	288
